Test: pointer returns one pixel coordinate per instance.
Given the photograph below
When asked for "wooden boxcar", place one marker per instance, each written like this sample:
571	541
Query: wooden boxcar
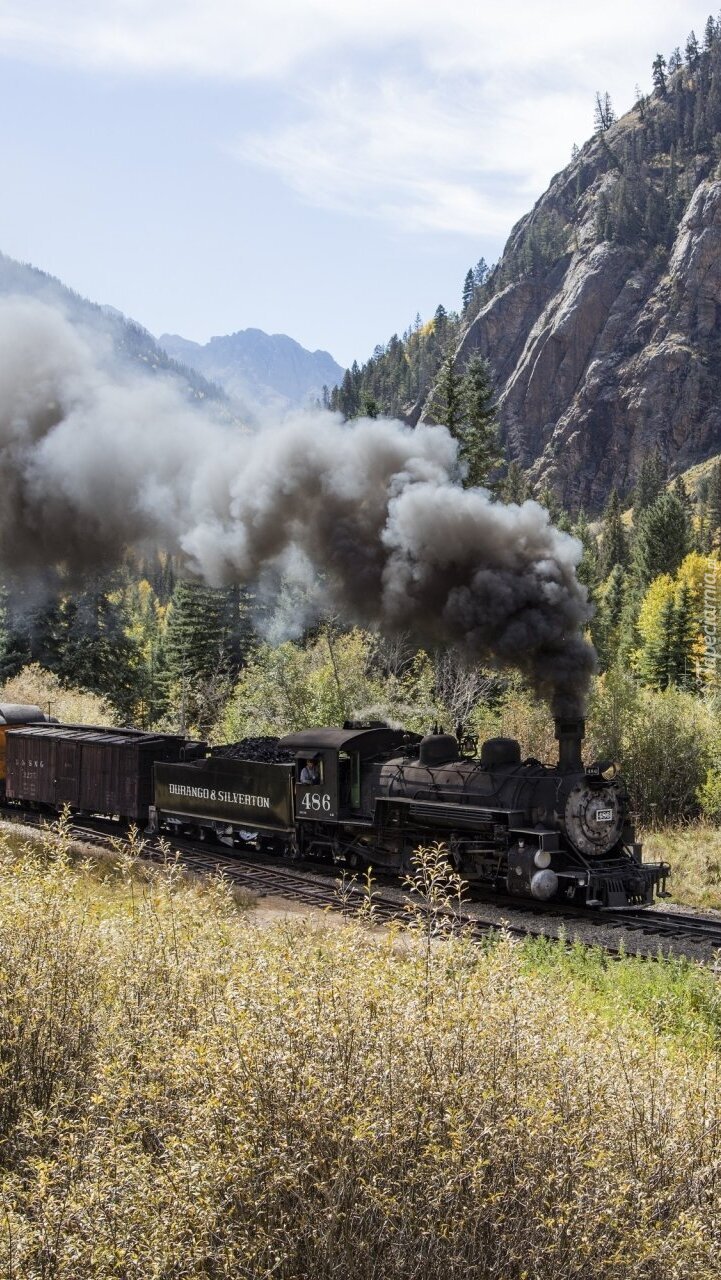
13	714
93	770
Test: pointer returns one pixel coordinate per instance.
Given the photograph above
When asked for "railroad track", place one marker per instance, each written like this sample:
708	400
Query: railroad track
315	887
650	922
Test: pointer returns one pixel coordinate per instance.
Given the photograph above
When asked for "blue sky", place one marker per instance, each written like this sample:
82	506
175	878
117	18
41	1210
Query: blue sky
323	168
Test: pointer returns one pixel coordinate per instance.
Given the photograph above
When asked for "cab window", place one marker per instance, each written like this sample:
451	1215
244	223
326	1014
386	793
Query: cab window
309	772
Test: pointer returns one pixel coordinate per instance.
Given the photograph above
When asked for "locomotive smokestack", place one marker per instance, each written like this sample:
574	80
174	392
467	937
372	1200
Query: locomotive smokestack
570	735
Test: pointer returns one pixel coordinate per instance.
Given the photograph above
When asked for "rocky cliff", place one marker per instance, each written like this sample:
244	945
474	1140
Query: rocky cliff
603	319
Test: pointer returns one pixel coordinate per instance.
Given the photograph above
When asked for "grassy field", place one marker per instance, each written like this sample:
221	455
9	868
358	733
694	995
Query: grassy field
694	853
186	1094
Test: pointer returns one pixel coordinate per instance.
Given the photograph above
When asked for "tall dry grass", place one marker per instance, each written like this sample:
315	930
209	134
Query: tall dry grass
693	850
186	1094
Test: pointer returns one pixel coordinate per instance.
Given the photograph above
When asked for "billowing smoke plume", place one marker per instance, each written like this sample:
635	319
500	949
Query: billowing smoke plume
95	458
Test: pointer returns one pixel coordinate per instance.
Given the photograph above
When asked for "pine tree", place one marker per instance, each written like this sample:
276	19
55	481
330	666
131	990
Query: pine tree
468	290
514	486
96	650
606	626
649	485
693	52
714	501
480	273
196	654
659	75
588	569
663	538
604	115
547	498
347	399
683	665
683	495
369	406
613	549
658	663
702	533
480	445
447	406
628	639
238	631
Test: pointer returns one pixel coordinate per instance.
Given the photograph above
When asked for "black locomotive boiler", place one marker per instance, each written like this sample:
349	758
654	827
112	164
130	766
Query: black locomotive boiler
370	796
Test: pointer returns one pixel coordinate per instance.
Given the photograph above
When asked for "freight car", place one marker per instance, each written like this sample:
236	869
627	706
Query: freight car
12	716
91	769
362	796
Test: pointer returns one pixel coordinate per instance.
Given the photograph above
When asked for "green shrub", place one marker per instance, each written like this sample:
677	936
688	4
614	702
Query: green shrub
709	795
663	741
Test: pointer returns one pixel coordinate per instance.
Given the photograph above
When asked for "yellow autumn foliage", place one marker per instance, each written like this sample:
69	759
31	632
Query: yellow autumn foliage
702	576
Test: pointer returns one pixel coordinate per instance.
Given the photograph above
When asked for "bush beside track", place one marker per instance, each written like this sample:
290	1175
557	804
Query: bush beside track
186	1094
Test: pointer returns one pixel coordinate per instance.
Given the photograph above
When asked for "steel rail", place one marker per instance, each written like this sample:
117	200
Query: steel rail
323	888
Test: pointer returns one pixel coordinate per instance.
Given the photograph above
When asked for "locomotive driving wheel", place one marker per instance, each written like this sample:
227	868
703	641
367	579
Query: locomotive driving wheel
357	861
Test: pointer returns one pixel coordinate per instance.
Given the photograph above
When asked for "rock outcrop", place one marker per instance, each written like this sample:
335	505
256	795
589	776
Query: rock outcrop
610	347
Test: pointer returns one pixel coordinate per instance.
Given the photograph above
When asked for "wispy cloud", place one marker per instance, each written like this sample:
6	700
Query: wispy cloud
439	158
470	108
242	38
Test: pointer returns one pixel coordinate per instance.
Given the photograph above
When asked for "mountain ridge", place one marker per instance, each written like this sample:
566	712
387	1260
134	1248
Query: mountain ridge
274	373
131	341
273	370
602	319
611	347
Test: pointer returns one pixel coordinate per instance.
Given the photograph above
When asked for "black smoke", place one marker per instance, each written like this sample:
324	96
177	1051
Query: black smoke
95	458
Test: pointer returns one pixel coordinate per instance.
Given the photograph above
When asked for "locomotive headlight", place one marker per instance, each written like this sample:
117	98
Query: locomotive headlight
542	859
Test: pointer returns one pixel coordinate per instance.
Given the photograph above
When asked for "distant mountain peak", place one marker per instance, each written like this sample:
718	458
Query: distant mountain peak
270	370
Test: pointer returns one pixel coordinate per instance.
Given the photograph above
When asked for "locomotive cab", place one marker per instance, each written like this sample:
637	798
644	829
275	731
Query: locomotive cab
317	785
341	758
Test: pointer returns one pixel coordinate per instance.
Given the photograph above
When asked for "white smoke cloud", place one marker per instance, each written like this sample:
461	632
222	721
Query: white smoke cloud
367	517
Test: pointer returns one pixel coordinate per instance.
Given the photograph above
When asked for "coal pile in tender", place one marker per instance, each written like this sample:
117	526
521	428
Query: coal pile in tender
266	750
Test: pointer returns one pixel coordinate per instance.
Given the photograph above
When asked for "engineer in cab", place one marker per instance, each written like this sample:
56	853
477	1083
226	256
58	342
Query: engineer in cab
310	772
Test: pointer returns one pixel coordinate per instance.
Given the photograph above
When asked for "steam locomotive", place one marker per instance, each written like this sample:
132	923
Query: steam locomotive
364	795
